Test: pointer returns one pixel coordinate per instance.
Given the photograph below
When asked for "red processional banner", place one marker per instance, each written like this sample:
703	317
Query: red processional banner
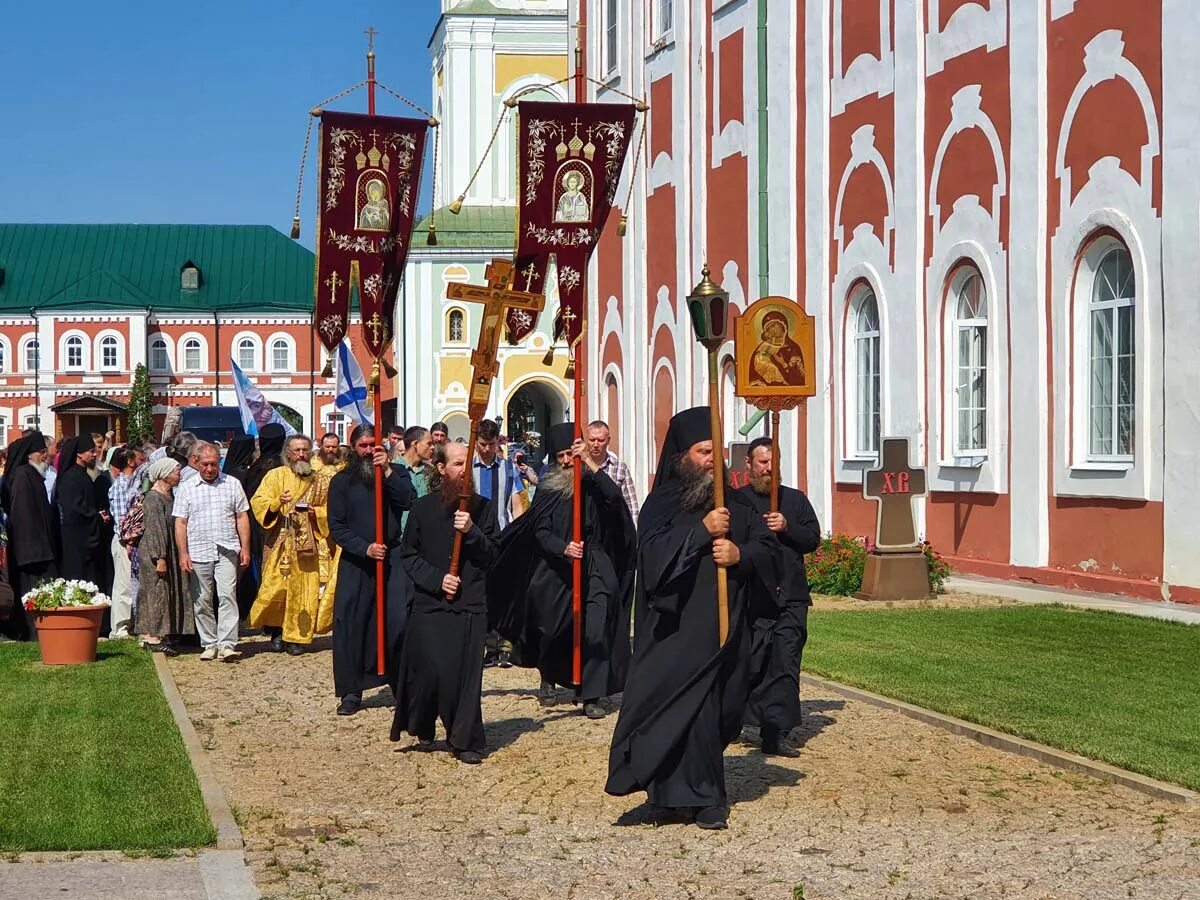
571	155
370	169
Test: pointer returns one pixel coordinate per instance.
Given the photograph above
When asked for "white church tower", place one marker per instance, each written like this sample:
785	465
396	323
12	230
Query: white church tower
483	52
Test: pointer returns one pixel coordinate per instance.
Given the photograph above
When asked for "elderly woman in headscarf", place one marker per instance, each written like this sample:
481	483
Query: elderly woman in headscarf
33	530
164	607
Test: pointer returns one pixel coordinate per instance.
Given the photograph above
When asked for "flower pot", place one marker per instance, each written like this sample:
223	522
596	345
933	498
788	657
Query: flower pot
67	636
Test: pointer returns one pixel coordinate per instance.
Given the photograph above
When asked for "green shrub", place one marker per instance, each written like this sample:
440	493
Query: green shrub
836	567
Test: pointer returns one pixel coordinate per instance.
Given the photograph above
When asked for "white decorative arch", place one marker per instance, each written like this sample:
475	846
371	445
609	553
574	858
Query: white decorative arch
869	268
613	371
612	321
731	282
23	351
662	172
269	350
966	112
256	339
169	343
86	353
659	365
664	314
1104	59
8	364
98	356
864	152
867	73
970	26
730	140
181	348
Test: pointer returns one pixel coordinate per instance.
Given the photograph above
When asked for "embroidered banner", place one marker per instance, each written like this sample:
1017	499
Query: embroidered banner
370	170
571	156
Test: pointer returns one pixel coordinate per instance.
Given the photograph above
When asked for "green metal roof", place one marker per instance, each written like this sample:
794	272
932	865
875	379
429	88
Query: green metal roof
488	8
475	227
242	267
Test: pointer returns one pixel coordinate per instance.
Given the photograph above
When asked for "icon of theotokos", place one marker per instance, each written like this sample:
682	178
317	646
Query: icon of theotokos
374	215
777	360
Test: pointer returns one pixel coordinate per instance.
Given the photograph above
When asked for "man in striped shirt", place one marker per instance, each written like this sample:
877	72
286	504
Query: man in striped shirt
598	438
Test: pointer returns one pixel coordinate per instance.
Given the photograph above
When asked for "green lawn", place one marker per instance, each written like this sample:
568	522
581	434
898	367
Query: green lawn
92	757
1116	688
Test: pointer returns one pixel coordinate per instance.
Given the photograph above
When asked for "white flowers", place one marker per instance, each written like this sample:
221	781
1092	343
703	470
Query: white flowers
64	592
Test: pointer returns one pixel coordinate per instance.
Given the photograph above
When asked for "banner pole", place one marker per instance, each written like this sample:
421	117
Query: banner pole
580	412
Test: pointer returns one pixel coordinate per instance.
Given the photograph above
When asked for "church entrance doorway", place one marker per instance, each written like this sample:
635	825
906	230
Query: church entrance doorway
532	408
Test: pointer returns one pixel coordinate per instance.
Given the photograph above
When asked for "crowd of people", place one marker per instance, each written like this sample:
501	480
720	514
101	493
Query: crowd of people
203	545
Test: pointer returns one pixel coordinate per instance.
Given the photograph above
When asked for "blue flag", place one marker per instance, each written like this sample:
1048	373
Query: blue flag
351	397
256	410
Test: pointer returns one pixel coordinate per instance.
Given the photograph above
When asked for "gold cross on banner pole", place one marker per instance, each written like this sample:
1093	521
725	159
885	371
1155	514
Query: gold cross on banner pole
370	33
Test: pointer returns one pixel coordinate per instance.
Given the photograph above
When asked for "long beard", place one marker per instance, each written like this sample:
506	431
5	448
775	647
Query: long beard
330	457
450	493
301	468
365	470
697	489
558	479
761	485
42	467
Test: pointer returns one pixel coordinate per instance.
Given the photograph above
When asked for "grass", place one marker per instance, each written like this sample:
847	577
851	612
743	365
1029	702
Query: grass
93	760
1112	687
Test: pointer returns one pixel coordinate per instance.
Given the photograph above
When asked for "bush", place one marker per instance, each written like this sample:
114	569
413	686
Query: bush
836	567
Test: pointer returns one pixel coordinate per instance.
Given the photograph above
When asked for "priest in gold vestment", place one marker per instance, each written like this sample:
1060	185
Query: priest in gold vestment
292	506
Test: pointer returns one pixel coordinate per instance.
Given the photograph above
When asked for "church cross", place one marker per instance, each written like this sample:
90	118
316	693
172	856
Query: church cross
370	33
374	137
576	123
333	282
893	485
530	272
375	323
568	316
497	298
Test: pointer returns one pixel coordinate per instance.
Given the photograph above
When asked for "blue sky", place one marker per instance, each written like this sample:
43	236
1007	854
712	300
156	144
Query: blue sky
186	112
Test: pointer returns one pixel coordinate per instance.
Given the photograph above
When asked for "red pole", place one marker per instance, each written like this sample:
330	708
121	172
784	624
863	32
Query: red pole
377	406
580	412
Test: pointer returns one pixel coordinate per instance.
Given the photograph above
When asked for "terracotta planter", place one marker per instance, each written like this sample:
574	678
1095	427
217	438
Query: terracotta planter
67	636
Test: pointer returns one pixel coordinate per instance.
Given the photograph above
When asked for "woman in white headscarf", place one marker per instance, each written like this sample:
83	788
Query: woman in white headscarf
164	609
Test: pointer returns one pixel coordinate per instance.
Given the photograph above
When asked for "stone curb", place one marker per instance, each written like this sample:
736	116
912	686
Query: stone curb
1061	759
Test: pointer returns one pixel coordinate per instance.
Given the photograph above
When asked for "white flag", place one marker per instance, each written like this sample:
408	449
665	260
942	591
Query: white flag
256	410
351	397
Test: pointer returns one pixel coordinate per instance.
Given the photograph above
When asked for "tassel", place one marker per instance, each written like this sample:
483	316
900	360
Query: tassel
548	359
456	206
295	227
569	374
431	240
388	368
642	106
622	225
327	372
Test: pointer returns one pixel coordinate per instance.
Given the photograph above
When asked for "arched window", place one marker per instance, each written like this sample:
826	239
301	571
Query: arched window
191	355
247	354
160	358
109	352
864	321
456	329
969	353
1111	357
3	360
281	356
32	357
74	352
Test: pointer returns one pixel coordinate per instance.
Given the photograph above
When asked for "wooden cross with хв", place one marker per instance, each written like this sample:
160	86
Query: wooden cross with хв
497	298
893	485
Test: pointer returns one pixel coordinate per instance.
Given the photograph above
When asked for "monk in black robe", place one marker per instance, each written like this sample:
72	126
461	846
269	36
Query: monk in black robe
238	460
686	694
780	620
33	527
531	587
441	666
352	526
82	518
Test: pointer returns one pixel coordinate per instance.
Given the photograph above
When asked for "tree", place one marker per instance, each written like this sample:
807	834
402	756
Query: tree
141	407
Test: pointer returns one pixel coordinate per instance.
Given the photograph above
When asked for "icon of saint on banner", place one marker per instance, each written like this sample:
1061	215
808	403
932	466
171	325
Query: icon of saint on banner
573	206
374	213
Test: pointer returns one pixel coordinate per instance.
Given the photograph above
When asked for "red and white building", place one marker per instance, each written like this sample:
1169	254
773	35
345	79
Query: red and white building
991	207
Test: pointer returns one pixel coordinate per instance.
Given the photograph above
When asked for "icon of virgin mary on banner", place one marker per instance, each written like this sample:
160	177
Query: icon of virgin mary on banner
571	155
370	169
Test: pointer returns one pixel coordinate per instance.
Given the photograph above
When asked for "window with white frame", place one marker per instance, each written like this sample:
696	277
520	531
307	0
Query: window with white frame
865	348
247	354
160	357
1111	357
456	327
665	19
968	351
73	352
32	358
338	424
4	430
191	355
32	422
281	356
611	23
109	352
3	356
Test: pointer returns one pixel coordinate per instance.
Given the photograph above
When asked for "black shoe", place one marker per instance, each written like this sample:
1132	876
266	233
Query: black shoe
714	818
774	748
470	757
593	710
504	659
292	649
489	659
277	643
545	693
350	704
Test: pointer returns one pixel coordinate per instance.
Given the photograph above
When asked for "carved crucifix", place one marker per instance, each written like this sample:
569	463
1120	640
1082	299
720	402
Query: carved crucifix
497	298
893	486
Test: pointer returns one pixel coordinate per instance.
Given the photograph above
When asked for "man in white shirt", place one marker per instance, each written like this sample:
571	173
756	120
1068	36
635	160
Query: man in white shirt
212	531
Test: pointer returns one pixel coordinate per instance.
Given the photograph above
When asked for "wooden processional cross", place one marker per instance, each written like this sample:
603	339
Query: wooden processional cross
497	298
893	486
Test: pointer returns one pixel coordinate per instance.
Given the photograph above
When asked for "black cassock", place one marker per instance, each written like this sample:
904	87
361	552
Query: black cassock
531	587
352	525
82	528
33	529
441	665
780	619
686	694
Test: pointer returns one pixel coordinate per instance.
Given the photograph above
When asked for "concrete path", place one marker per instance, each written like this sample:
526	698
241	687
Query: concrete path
1036	593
